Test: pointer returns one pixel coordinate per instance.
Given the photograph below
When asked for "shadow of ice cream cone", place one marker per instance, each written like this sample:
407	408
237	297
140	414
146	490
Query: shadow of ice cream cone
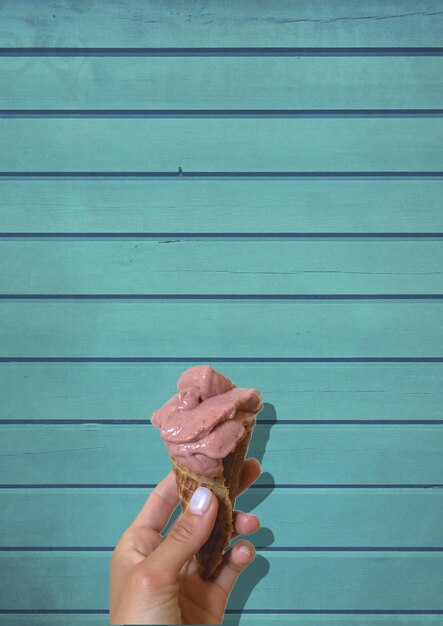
243	589
248	501
266	419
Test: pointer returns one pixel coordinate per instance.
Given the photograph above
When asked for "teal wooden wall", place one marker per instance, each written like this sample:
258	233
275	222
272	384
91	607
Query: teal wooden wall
254	185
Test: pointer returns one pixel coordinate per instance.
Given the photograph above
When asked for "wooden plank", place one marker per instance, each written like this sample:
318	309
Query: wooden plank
391	518
220	206
238	620
222	266
206	330
329	82
112	24
291	391
291	454
376	580
223	144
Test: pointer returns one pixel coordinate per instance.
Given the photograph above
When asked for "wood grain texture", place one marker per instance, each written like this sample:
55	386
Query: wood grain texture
291	391
337	518
290	454
376	580
211	23
371	205
222	266
223	145
205	330
351	82
360	485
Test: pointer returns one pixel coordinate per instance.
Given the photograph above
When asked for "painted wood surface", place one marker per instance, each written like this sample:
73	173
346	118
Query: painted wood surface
222	266
372	205
122	102
332	518
205	330
294	392
377	581
212	23
362	144
221	82
119	455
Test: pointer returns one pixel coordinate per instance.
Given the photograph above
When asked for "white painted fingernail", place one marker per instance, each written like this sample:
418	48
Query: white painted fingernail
245	550
200	501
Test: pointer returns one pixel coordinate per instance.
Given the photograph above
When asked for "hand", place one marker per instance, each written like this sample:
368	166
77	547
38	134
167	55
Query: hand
155	579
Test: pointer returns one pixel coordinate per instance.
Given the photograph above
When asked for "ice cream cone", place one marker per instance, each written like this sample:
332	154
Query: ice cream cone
206	427
225	488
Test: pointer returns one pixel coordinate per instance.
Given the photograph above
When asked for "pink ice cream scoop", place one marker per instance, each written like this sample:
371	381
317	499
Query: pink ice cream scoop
205	420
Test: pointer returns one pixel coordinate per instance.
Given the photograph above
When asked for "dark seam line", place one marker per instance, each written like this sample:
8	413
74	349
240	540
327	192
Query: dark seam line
229	235
337	612
247	174
215	113
259	548
14	359
349	422
199	296
239	612
344	549
54	611
145	422
254	486
223	51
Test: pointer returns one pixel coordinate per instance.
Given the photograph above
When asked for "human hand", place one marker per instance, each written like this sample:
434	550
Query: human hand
155	579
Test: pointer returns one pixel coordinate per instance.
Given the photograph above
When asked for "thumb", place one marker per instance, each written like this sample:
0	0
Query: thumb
187	535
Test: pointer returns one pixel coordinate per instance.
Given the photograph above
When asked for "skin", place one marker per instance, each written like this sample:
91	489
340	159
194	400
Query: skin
154	578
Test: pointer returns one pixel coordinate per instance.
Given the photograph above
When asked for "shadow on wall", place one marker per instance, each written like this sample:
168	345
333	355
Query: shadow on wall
247	502
261	490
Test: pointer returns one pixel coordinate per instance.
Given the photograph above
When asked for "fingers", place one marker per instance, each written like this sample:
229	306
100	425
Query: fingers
239	556
159	506
236	560
245	523
186	536
250	472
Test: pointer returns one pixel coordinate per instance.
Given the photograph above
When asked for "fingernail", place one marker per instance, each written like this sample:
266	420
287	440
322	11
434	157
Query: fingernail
245	550
200	501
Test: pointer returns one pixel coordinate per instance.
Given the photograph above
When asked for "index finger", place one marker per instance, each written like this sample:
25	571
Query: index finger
159	506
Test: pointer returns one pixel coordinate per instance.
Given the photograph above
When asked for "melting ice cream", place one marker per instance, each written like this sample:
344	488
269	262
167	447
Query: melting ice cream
204	421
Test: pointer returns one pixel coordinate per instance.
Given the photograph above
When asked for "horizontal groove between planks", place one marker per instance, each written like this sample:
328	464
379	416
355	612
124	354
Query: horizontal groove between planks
178	174
198	359
133	422
233	612
221	51
222	235
258	548
204	296
208	113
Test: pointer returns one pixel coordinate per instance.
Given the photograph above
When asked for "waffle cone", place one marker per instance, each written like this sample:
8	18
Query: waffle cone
225	487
